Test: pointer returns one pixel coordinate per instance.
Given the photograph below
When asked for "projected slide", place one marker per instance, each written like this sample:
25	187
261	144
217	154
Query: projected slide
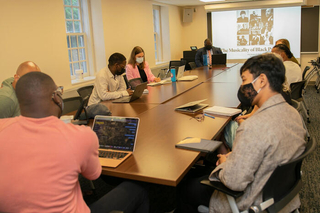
245	33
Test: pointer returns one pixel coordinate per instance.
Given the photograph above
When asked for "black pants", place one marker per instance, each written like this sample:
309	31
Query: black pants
191	194
127	197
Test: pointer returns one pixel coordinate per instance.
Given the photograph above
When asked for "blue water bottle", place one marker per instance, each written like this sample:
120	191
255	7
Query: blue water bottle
173	74
205	60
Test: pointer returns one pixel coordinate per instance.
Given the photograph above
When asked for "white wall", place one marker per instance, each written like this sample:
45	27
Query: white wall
35	30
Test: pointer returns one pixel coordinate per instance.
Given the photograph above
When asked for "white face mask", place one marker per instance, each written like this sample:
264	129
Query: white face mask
139	60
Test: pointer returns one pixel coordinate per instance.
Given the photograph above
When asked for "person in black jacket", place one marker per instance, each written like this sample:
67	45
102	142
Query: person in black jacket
208	48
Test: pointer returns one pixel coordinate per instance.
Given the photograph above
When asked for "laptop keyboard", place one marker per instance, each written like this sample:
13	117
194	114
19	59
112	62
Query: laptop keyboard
112	154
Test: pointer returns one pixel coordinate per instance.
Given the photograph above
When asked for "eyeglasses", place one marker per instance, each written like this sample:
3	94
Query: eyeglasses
59	90
200	117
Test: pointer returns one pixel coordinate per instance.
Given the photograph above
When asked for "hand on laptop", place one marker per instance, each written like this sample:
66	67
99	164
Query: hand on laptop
130	91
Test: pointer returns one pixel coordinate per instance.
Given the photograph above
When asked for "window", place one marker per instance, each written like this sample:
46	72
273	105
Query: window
157	32
76	37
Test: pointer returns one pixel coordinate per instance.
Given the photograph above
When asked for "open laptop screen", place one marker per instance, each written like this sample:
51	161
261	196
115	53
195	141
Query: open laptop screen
117	133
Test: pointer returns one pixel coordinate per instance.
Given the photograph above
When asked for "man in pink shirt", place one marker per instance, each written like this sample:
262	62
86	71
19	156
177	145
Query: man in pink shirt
41	157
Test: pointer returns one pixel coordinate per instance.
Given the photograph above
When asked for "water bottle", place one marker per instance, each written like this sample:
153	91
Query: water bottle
205	60
173	74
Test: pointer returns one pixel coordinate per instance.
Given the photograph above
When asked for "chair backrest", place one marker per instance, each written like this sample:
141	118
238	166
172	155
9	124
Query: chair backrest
134	82
192	65
177	64
285	182
126	80
71	104
174	64
296	89
85	91
304	72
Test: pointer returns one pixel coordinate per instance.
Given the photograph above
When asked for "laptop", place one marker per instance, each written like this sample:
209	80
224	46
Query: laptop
138	91
180	74
219	59
117	138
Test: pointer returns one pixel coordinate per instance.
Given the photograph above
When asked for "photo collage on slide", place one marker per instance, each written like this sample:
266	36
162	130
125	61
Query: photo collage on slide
255	27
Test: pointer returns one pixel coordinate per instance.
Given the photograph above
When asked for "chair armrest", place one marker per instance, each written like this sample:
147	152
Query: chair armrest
222	188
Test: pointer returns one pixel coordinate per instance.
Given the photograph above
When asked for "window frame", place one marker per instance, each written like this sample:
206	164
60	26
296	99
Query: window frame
85	31
157	33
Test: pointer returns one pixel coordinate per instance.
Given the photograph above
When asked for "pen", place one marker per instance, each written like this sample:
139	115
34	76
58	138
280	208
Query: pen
210	116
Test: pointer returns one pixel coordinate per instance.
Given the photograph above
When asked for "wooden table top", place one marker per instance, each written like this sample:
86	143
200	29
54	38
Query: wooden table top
155	159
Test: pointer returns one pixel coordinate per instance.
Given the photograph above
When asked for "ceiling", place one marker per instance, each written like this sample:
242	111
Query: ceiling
198	2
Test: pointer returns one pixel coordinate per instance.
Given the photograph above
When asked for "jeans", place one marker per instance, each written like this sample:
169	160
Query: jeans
97	109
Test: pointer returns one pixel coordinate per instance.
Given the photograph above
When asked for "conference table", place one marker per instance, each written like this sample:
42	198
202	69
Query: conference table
155	158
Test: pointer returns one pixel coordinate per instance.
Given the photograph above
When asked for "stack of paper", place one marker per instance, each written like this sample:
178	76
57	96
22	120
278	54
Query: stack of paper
219	110
164	81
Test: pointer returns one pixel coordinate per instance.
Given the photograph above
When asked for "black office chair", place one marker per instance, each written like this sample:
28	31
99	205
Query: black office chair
177	63
297	93
71	104
85	91
283	185
134	82
76	104
126	80
305	72
192	65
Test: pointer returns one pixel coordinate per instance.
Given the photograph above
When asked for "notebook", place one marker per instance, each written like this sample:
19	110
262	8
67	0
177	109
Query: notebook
198	144
180	76
136	94
219	59
192	107
116	135
219	110
164	81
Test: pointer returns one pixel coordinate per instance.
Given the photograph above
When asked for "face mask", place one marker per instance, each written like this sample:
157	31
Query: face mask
121	71
247	93
139	60
208	47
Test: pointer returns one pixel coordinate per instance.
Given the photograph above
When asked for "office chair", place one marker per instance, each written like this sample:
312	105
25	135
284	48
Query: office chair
297	93
283	185
71	104
134	82
76	104
298	107
126	80
85	91
192	65
305	72
177	63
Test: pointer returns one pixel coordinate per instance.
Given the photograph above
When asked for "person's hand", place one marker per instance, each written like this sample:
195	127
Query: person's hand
157	80
222	158
130	91
241	118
